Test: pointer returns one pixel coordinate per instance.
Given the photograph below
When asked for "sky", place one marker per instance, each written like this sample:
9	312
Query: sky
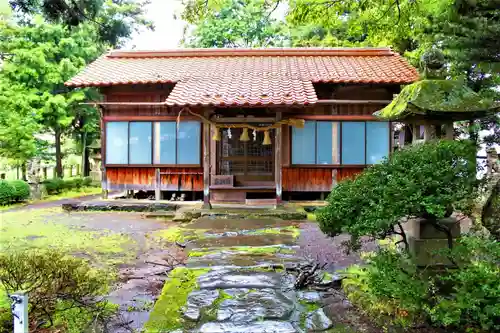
168	30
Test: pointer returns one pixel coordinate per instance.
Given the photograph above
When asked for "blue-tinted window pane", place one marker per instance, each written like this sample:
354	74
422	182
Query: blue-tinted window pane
303	144
166	139
377	141
140	143
116	142
327	143
188	143
353	143
324	142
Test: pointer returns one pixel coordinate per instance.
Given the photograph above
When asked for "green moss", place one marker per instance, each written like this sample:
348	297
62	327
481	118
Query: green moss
250	250
44	228
179	234
289	230
308	308
167	312
210	313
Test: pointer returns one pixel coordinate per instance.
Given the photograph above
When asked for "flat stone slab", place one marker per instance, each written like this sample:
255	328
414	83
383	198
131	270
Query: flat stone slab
269	326
197	300
215	224
317	321
262	304
223	279
246	240
118	206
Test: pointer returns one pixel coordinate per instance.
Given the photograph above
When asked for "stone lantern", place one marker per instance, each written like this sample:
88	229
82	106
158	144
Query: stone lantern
95	161
433	103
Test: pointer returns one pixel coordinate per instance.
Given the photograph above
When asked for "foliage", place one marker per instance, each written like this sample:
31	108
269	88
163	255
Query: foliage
114	20
428	96
391	288
13	191
43	57
427	180
58	185
56	284
461	36
236	23
21	190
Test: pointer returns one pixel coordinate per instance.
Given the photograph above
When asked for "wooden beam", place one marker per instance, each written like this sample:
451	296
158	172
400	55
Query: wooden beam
353	101
157	184
244	120
277	161
338	117
206	164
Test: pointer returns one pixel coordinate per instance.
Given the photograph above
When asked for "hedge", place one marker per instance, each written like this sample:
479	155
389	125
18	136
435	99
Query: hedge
58	185
13	191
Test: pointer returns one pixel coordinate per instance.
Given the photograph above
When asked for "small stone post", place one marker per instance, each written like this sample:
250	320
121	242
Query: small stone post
34	178
19	310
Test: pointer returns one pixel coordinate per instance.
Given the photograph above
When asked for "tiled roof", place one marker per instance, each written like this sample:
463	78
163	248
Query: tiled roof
287	74
241	91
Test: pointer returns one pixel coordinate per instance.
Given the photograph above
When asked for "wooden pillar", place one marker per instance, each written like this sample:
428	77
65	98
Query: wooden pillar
104	184
104	178
277	161
44	171
449	131
157	184
206	164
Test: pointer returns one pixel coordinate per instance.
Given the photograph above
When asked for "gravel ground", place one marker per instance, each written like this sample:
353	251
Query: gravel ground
315	245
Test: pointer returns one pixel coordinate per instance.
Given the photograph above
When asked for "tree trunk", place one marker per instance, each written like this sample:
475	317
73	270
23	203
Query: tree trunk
59	169
23	171
84	153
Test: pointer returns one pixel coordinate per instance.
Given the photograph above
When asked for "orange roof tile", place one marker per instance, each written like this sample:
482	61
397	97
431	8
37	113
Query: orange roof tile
283	70
242	91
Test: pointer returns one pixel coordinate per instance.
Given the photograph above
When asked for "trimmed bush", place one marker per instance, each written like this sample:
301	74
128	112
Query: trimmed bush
13	191
21	190
58	185
428	180
54	186
87	181
6	192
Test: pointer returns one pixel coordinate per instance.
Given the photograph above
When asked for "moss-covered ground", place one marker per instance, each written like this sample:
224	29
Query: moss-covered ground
167	312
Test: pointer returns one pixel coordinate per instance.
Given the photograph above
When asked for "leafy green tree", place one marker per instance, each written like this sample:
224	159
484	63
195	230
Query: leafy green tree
235	23
115	20
464	32
42	57
429	180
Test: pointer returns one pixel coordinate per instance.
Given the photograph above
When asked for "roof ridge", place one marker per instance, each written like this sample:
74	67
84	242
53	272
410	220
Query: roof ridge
263	52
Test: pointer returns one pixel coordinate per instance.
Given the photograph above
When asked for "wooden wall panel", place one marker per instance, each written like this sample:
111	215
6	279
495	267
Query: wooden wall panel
315	179
144	178
348	173
307	179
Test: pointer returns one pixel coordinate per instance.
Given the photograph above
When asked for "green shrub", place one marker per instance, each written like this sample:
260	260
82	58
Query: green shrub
21	190
7	192
426	180
87	181
391	289
54	186
59	287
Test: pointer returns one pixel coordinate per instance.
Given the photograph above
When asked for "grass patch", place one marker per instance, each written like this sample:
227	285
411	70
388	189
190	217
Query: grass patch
49	228
250	250
167	312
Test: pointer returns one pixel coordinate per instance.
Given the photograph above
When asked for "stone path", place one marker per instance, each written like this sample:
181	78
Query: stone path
241	285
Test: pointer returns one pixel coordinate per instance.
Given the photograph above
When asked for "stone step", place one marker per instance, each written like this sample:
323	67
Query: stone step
228	278
273	326
245	240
